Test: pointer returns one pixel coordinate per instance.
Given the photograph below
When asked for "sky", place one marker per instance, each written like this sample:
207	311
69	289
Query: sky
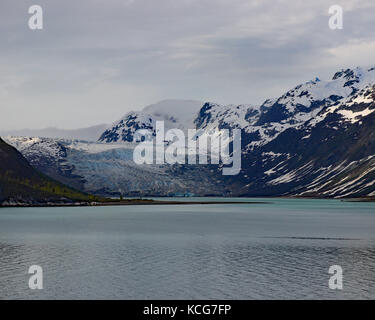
95	60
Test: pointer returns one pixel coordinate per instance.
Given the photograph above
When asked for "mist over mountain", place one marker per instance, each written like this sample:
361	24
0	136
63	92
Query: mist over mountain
90	133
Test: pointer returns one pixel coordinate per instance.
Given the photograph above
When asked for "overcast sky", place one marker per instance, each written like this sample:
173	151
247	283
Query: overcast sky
97	59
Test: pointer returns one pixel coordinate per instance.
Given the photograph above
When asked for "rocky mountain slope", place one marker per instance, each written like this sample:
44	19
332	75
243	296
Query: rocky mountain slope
331	155
20	183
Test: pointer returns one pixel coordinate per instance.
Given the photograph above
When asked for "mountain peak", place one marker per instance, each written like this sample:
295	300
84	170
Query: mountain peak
357	73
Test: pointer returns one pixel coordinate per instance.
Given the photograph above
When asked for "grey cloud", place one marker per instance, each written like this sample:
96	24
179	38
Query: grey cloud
95	60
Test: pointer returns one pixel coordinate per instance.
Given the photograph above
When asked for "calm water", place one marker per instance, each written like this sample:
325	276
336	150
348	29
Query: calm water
278	250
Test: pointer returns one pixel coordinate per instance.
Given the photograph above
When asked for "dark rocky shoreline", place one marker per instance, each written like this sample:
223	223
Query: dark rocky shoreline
131	202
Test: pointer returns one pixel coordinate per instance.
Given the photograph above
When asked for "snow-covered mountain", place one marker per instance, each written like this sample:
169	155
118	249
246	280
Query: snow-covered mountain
317	139
261	124
330	154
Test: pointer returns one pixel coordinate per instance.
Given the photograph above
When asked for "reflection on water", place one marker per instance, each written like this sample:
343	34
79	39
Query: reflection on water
188	252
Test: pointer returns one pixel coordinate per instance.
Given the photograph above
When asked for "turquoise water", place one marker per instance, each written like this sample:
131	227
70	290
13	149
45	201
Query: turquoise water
281	249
